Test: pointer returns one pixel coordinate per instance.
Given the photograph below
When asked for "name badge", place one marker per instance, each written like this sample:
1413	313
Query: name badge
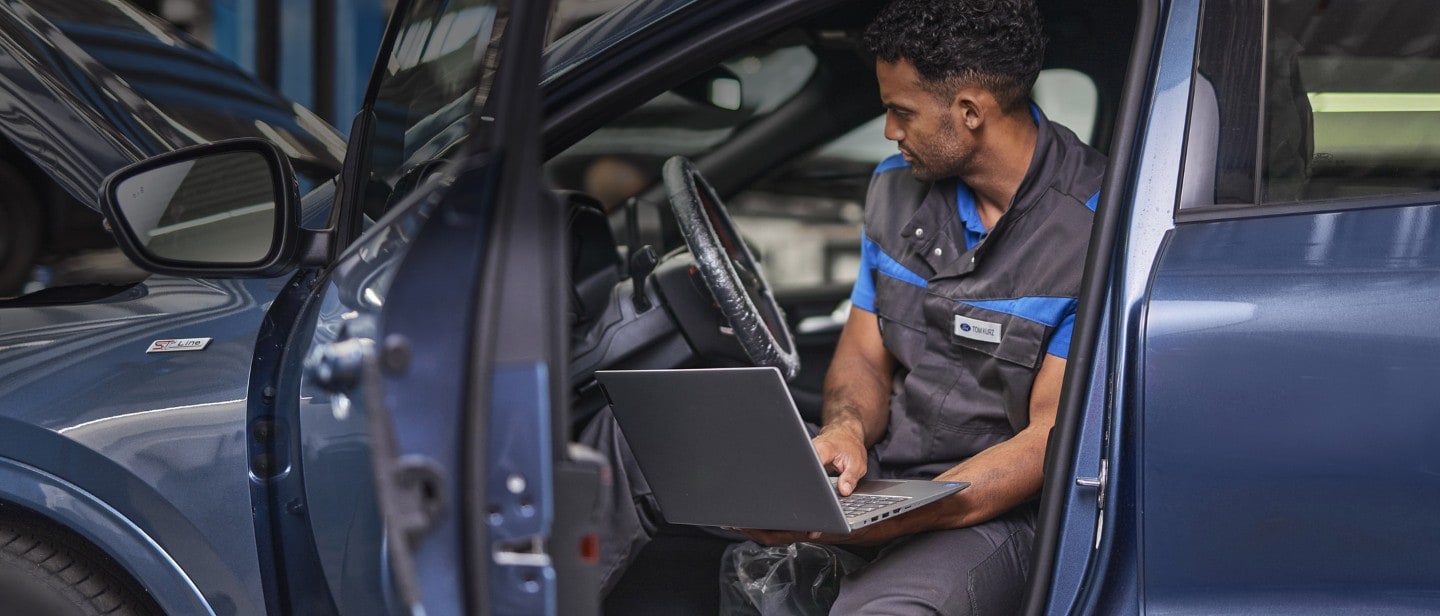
975	329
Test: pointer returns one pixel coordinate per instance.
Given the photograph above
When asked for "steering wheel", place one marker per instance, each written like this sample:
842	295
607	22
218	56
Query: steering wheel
729	270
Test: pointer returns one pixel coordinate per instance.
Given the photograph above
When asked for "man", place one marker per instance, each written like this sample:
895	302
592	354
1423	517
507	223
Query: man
950	363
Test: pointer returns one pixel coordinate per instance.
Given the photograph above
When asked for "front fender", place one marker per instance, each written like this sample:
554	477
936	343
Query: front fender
87	516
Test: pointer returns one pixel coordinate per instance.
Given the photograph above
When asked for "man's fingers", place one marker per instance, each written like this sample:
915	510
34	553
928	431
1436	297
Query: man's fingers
851	471
845	458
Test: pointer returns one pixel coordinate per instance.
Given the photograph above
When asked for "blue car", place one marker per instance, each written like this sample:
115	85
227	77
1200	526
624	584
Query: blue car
361	398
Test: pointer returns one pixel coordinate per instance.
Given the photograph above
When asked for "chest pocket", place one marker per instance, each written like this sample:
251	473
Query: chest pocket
999	335
989	360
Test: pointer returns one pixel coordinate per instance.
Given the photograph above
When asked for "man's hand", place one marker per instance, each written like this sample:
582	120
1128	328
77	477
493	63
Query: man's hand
842	449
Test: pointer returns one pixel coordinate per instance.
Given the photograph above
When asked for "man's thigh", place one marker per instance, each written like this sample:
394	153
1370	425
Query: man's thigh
976	571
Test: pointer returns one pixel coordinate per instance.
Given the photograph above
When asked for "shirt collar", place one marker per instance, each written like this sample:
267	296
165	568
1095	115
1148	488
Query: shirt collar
965	201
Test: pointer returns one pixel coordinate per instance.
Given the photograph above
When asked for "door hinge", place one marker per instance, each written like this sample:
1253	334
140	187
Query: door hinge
1100	484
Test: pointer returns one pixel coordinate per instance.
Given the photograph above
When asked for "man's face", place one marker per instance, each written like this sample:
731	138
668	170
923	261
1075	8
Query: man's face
921	124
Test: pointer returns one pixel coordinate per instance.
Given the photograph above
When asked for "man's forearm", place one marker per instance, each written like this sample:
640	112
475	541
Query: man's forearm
1008	473
1001	477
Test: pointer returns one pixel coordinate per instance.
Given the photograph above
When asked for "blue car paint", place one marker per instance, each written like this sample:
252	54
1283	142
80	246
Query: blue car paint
523	507
1299	354
113	419
336	450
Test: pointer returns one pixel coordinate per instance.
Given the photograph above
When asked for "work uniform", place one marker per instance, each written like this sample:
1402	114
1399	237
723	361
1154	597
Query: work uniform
969	316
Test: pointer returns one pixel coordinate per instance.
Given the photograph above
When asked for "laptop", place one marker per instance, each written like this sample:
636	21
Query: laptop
727	447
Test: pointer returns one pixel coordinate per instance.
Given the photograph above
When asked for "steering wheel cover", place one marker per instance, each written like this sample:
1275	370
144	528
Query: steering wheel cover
765	345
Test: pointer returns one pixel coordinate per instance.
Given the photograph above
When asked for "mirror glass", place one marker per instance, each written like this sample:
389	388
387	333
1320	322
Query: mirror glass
217	208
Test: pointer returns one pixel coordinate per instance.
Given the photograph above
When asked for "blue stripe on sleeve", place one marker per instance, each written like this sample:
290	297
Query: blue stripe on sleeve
1060	340
873	261
1093	201
1049	311
894	161
863	294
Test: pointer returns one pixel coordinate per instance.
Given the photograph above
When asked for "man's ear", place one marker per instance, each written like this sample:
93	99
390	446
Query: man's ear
972	106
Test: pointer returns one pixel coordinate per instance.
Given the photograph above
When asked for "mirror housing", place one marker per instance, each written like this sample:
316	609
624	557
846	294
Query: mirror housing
223	209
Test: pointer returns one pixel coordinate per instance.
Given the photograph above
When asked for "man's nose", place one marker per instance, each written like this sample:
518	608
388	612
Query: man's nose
892	129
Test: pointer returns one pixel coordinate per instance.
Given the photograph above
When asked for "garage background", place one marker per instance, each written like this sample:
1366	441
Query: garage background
316	52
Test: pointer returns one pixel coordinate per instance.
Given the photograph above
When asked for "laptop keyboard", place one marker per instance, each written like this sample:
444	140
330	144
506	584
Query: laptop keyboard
859	504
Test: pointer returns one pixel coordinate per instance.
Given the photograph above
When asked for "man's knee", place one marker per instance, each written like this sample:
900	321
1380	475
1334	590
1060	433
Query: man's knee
976	571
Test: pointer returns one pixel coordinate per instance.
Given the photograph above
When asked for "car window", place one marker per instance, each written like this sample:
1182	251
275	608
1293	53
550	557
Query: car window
1298	101
426	95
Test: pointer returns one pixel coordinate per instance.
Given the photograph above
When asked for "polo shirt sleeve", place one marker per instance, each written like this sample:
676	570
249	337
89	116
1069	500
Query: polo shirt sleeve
863	295
1060	340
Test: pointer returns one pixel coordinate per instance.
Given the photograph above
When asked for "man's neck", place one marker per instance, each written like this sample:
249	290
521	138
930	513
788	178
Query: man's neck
1002	165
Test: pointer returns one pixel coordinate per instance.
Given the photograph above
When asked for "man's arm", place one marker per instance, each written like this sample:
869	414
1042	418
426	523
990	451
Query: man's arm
1010	472
857	398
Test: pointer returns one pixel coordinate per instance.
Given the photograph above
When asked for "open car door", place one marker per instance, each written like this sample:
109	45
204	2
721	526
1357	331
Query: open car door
456	369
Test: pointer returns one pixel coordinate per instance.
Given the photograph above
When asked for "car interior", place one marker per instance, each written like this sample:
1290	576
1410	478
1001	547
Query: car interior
787	129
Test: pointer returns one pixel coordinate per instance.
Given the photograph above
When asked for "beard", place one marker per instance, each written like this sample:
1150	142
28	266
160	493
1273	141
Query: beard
942	156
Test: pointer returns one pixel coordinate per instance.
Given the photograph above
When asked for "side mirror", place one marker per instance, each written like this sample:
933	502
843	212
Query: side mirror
221	209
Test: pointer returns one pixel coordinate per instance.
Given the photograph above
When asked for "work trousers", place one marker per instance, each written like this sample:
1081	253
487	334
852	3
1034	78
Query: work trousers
979	570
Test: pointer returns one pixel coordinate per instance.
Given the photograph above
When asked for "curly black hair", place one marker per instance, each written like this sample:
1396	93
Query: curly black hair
996	44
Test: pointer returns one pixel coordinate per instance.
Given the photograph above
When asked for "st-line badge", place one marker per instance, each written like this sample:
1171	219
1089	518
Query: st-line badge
177	344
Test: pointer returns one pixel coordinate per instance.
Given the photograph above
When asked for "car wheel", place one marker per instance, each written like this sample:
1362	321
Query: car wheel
20	230
43	573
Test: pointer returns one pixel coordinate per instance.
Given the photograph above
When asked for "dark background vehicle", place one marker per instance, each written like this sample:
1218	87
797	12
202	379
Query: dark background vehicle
1255	257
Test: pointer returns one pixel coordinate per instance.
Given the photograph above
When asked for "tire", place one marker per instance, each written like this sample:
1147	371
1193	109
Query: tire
21	229
45	572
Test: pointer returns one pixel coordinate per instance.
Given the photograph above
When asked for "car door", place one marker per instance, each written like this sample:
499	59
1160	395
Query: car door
1288	360
1272	417
427	398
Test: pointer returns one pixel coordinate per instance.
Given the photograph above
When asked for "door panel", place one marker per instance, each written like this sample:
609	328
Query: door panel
1290	415
1288	355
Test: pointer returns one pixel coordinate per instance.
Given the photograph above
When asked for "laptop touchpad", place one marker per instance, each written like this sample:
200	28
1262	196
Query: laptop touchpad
882	486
